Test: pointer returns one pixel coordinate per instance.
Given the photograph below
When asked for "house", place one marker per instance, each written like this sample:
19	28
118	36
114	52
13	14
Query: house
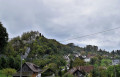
105	55
80	71
29	70
115	62
76	54
66	57
81	57
87	59
76	72
48	73
91	55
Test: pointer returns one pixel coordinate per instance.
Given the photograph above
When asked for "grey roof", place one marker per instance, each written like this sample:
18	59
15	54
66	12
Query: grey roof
26	53
28	74
33	67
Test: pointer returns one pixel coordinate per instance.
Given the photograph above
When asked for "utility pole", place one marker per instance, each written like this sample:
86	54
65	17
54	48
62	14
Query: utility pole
21	67
113	61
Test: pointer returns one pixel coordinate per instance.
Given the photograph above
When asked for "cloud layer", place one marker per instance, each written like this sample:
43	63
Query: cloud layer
64	19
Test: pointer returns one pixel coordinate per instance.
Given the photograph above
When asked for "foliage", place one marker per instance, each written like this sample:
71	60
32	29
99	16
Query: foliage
3	37
48	52
53	66
56	59
68	75
106	62
78	62
71	63
10	62
8	71
60	72
91	48
113	70
9	51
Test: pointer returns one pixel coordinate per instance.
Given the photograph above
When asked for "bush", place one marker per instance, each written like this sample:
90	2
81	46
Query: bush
8	71
68	75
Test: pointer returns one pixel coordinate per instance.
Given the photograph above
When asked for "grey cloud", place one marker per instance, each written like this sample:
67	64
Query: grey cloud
64	19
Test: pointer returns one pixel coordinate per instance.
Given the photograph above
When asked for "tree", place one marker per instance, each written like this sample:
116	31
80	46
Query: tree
113	70
68	75
92	61
3	37
9	50
53	66
89	48
17	62
11	62
3	61
71	63
94	73
60	72
8	71
78	62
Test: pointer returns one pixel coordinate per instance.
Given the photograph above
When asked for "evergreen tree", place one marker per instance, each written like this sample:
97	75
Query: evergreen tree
3	37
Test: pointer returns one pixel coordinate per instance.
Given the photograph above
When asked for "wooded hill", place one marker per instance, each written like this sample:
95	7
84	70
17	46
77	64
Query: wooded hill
43	50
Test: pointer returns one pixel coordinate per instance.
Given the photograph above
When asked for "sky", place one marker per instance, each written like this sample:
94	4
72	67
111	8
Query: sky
65	19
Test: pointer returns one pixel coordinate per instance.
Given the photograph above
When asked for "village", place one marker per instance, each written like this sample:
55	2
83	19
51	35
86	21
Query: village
59	38
77	62
30	69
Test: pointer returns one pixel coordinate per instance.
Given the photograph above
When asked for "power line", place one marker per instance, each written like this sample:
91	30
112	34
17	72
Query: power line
92	34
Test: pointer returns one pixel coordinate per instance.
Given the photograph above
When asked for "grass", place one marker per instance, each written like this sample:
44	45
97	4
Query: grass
3	75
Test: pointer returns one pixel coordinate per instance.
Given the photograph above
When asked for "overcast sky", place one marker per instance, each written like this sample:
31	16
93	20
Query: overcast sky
65	19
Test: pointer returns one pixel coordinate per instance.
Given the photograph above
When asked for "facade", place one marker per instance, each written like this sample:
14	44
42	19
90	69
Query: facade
115	62
48	73
87	59
80	71
29	70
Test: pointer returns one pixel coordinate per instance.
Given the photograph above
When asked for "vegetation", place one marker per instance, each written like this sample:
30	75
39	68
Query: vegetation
78	62
3	37
68	75
106	62
49	54
8	72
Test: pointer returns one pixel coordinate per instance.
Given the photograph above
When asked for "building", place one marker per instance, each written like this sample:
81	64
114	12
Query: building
76	54
29	70
66	57
80	71
115	62
26	53
87	59
91	55
76	72
48	73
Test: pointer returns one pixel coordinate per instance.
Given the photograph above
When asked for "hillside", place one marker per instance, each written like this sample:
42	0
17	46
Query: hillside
40	50
49	53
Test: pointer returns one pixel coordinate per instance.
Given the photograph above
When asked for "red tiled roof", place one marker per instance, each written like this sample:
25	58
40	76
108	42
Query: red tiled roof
86	69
